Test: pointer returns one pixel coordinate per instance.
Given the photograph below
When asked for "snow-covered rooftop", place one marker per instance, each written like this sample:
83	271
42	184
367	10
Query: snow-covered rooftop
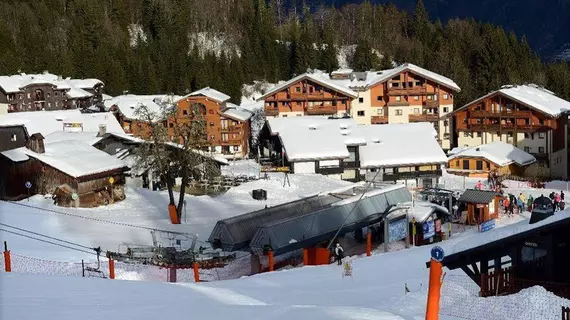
531	95
236	112
430	75
498	152
15	83
129	103
88	137
72	157
319	138
76	92
210	93
46	122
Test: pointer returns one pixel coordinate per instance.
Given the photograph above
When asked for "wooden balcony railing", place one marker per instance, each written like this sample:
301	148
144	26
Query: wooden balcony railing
504	126
503	114
398	103
271	111
416	91
231	129
325	110
431	103
423	117
232	142
379	119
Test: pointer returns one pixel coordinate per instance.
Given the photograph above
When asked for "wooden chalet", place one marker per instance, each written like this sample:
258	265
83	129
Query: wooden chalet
508	259
482	205
73	166
527	116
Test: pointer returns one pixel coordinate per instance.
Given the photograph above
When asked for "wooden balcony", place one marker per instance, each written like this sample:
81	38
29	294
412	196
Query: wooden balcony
398	104
325	110
416	91
502	114
231	142
423	118
231	129
379	120
431	103
271	111
504	127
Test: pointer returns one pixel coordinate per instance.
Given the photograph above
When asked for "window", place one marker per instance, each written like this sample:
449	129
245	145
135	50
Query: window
445	123
398	98
430	97
457	163
185	112
541	135
21	96
399	112
416	110
49	95
284	116
297	89
529	253
360	113
334	103
445	96
212	137
416	98
526	149
479	165
509	134
478	134
236	148
527	135
171	125
13	138
211	111
445	109
29	95
299	115
298	103
360	100
465	164
379	98
211	124
56	93
540	149
465	134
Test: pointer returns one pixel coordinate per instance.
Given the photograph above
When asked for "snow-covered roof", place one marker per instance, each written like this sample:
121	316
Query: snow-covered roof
236	112
106	97
88	137
76	92
129	103
498	152
210	93
15	155
46	122
74	158
422	210
15	83
316	76
532	96
430	75
312	138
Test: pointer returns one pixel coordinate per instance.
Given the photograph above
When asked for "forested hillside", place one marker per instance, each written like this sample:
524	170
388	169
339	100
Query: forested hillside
174	46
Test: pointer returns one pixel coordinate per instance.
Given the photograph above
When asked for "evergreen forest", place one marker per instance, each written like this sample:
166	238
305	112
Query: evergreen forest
156	46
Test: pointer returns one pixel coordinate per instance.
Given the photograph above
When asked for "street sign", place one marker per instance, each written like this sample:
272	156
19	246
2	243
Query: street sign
111	180
28	184
437	253
488	225
74	196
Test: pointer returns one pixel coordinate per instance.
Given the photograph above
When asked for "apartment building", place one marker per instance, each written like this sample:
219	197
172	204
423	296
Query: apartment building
404	94
527	116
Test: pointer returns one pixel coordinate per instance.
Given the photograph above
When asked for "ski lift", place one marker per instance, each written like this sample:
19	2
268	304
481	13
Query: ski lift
97	271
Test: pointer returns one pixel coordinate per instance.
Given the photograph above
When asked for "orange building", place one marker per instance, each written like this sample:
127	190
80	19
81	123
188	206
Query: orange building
227	125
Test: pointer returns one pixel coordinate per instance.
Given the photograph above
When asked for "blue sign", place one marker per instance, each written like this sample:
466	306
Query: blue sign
397	230
429	229
28	184
437	253
488	225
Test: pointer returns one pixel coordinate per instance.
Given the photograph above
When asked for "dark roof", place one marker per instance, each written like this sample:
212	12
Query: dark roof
314	227
7	134
477	196
37	135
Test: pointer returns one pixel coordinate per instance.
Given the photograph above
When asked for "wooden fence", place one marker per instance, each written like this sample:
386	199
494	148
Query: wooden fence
505	282
565	313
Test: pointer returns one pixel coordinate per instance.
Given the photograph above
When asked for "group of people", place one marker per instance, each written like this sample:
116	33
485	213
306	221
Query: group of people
557	200
521	203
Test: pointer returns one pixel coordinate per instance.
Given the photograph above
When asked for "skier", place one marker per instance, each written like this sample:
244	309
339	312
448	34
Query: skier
529	202
522	202
479	185
339	252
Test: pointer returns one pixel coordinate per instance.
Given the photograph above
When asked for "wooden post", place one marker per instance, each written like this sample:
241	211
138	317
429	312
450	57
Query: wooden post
171	274
271	262
435	272
7	260
196	272
305	257
82	268
111	269
368	243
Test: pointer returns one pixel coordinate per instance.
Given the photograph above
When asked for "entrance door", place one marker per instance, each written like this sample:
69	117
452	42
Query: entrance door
465	164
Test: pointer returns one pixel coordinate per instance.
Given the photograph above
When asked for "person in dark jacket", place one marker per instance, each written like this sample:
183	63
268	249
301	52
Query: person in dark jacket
339	253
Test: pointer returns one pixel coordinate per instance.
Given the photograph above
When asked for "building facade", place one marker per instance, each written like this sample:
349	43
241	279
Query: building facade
35	92
405	94
527	116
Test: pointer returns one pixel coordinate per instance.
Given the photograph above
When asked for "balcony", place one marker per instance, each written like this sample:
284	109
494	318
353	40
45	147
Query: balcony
503	114
411	175
271	111
379	120
431	103
330	170
351	164
423	118
325	110
415	91
231	129
403	103
231	142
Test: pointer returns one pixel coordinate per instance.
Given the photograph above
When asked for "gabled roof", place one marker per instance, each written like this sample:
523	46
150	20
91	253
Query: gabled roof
15	83
498	152
477	196
430	75
209	93
530	95
318	77
236	112
75	93
128	104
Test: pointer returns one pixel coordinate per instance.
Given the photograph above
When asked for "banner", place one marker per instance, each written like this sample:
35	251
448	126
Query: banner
487	225
429	229
397	229
274	169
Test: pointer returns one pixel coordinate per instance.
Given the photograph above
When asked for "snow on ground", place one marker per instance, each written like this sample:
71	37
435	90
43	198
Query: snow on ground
248	168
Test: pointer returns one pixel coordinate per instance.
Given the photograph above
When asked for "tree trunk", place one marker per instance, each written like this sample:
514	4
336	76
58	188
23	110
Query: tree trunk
182	193
170	186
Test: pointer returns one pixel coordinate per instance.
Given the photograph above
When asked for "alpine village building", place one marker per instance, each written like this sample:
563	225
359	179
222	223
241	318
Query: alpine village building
35	92
527	116
227	125
404	94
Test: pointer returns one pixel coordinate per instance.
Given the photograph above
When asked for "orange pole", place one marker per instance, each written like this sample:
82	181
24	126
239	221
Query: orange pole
111	269
305	257
369	244
435	272
196	272
7	260
271	262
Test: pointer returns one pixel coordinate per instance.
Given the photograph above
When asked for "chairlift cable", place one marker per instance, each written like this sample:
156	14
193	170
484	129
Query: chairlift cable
49	242
53	238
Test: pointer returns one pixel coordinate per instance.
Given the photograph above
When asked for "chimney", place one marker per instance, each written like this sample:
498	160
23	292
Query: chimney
36	143
102	130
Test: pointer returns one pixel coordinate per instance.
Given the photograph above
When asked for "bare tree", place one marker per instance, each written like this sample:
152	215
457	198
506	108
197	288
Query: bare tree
177	147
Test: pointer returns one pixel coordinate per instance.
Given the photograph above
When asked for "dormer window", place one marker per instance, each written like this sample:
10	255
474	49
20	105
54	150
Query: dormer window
13	138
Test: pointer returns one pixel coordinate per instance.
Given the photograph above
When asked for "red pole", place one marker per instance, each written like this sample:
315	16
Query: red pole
369	244
271	262
111	269
305	257
435	272
196	272
7	260
171	274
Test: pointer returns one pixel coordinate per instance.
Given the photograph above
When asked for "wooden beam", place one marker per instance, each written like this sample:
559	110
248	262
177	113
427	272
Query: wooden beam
471	274
475	268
